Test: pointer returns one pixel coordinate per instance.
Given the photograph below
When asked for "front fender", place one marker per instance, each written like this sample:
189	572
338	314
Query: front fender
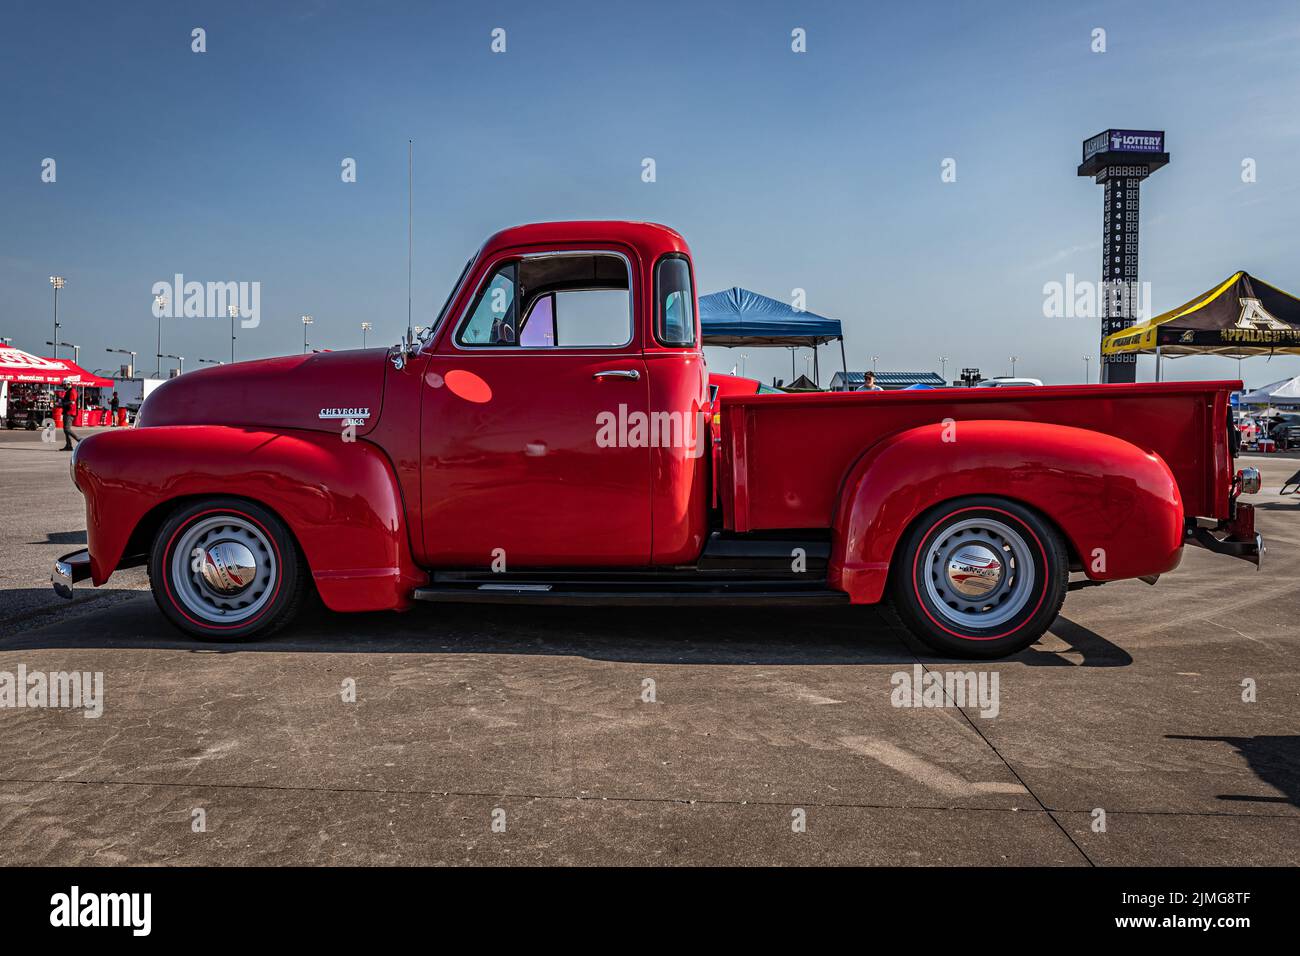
1118	506
340	499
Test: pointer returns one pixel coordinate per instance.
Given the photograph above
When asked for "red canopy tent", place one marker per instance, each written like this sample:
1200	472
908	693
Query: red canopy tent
19	366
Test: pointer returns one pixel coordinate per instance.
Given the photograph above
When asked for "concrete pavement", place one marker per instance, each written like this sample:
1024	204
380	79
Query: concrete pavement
660	736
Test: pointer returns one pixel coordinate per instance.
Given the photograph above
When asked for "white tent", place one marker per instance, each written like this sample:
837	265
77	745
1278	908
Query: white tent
1285	392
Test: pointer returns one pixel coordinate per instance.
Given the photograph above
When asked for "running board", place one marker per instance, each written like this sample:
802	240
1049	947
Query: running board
719	596
770	554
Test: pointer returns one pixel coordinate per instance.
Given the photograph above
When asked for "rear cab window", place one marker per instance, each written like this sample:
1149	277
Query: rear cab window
674	302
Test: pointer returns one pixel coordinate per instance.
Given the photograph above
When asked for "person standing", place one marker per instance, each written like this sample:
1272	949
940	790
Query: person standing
870	384
113	406
68	402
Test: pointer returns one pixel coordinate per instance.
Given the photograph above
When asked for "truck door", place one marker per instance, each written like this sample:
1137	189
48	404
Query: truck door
527	455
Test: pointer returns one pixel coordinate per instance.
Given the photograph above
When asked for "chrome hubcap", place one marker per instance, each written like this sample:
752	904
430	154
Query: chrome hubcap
228	567
974	571
223	569
979	573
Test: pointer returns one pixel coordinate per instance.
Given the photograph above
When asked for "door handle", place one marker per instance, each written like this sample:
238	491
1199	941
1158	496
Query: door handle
628	373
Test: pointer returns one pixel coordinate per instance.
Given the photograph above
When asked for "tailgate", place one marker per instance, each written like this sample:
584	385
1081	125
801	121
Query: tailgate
785	456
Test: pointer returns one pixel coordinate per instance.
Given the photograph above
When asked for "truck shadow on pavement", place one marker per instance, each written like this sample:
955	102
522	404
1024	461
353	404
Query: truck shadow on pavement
63	537
1095	650
1278	505
1274	760
794	636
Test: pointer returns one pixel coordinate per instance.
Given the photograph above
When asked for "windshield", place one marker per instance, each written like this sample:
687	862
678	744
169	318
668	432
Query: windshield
427	334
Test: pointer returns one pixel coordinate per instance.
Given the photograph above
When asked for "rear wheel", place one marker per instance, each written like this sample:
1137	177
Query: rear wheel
980	577
226	569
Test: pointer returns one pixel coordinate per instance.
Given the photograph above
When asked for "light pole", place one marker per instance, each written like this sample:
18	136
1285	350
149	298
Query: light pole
180	362
943	368
211	362
1014	359
1086	360
365	327
6	340
58	282
233	312
76	350
159	307
306	321
743	356
130	369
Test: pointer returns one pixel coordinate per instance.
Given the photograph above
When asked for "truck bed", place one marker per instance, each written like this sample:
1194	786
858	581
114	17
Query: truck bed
784	457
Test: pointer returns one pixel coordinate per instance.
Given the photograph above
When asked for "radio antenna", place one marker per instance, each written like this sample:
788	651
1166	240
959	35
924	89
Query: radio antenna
410	229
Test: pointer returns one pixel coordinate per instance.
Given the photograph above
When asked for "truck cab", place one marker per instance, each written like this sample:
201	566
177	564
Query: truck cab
560	404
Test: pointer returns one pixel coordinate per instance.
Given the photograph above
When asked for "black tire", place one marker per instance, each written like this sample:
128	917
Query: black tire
961	547
204	591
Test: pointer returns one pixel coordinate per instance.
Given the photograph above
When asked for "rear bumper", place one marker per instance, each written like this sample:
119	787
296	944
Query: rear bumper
1240	541
68	570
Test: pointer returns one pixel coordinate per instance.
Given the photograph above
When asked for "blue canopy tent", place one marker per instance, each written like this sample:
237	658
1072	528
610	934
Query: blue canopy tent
737	316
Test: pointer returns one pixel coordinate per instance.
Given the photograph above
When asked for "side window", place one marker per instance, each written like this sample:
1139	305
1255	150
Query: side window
593	317
491	321
580	300
674	302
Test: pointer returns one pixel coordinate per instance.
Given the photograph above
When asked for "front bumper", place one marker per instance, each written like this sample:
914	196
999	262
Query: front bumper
68	570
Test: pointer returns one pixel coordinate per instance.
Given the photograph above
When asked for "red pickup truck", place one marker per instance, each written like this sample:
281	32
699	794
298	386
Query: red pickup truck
545	440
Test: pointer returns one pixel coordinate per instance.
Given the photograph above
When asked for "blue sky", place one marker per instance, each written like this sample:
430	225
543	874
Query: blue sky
818	170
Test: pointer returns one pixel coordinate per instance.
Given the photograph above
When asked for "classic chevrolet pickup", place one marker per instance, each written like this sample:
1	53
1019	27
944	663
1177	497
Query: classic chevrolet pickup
545	441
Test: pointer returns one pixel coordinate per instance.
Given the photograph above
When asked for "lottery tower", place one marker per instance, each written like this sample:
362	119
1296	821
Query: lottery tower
1118	160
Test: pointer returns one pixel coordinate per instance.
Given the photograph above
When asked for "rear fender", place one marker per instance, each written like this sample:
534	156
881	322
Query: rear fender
1118	507
340	500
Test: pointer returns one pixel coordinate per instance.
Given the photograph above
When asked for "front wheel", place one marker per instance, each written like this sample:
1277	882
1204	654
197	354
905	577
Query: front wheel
226	569
980	577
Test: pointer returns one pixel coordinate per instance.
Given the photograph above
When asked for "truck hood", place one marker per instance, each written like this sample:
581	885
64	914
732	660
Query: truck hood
320	392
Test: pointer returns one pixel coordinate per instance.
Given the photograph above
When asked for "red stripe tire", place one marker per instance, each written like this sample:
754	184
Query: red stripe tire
979	577
227	569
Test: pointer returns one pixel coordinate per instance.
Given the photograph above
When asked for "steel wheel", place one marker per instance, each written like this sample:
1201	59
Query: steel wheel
978	573
224	569
979	577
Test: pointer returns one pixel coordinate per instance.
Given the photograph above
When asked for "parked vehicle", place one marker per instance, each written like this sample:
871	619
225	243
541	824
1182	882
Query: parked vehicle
543	443
1005	381
1248	429
1285	431
721	386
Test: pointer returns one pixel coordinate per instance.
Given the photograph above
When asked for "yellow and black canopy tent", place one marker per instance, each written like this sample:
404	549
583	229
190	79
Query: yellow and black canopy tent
1240	317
